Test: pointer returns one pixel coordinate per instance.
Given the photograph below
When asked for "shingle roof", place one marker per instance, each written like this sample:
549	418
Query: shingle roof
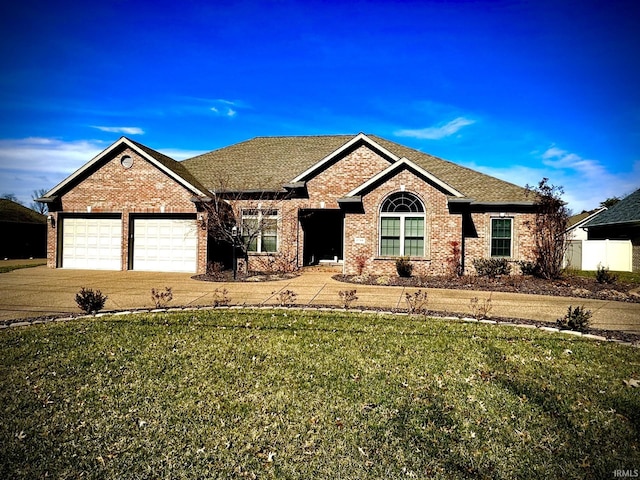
262	163
268	163
176	167
576	219
625	211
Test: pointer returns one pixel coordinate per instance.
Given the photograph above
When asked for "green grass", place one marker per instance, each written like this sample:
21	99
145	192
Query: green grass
624	277
275	394
18	266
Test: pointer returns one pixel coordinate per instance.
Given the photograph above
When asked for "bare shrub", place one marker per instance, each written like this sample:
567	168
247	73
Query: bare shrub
361	262
416	302
347	297
215	270
480	309
275	264
160	298
287	297
221	297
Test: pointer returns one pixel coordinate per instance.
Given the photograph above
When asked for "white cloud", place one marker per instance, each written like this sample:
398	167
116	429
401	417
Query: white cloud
30	164
125	130
439	132
224	108
585	182
33	163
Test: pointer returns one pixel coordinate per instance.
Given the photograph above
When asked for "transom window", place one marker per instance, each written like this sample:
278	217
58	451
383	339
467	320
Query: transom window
501	237
260	230
402	226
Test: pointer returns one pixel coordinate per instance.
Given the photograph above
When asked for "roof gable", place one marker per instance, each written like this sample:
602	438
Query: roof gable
166	164
355	142
394	169
626	211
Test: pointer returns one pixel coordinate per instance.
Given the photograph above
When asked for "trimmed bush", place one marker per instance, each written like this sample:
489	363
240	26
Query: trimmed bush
529	268
90	301
492	267
404	267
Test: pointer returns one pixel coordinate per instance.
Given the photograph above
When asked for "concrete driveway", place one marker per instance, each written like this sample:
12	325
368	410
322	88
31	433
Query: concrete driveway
41	291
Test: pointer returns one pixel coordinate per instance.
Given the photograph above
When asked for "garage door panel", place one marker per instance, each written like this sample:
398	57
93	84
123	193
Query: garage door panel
165	245
91	243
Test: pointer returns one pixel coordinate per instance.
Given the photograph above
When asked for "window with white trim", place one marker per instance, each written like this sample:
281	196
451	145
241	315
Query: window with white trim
402	221
260	230
501	235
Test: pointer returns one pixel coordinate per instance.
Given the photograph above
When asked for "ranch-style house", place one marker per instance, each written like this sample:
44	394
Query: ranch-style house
360	201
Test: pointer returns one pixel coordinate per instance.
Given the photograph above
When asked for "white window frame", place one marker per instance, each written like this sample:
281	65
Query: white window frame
403	217
510	219
261	215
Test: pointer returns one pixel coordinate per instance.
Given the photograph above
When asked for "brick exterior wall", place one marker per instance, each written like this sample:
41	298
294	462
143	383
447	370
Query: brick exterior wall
442	227
141	189
144	189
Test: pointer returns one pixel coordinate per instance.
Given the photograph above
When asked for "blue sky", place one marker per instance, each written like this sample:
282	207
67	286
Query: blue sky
519	90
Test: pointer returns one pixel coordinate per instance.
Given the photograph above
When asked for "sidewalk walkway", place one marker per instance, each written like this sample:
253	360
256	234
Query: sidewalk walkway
41	291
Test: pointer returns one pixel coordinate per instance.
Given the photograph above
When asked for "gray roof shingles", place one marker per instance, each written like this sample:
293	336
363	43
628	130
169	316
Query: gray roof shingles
626	211
268	163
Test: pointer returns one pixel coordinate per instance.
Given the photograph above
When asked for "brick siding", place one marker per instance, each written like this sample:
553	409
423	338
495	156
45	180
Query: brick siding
141	189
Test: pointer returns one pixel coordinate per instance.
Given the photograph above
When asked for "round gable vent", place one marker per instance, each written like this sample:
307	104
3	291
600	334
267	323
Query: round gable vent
126	161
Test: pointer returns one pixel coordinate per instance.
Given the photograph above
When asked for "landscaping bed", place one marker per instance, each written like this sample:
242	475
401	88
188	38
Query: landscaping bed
568	286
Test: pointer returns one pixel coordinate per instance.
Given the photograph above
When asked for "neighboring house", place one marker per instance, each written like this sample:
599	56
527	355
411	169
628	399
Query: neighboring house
576	235
620	224
361	200
24	231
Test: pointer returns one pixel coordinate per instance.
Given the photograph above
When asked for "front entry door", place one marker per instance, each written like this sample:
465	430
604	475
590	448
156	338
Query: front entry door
323	235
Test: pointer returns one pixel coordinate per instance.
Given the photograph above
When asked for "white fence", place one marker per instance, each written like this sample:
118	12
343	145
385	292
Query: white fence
616	255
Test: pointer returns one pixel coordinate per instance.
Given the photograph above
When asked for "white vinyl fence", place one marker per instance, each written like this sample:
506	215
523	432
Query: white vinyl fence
616	255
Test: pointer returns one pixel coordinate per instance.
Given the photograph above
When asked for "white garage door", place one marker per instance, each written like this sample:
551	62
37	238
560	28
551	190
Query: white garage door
92	243
165	245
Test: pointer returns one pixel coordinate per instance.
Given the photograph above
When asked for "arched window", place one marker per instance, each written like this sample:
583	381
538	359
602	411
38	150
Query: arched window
402	226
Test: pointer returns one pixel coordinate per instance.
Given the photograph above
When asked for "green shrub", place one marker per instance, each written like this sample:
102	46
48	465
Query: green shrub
90	301
529	268
575	319
603	275
404	267
492	267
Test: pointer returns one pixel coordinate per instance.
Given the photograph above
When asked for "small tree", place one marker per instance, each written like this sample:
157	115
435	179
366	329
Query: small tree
550	228
39	206
225	211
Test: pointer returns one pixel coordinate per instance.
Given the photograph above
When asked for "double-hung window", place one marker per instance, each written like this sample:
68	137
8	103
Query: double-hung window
402	226
501	232
260	230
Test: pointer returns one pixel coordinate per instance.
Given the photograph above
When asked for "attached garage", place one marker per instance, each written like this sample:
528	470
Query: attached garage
92	243
165	245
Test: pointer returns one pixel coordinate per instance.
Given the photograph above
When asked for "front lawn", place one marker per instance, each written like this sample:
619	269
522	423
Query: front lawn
286	394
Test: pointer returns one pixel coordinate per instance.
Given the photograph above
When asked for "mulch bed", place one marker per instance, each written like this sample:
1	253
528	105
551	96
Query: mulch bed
569	286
